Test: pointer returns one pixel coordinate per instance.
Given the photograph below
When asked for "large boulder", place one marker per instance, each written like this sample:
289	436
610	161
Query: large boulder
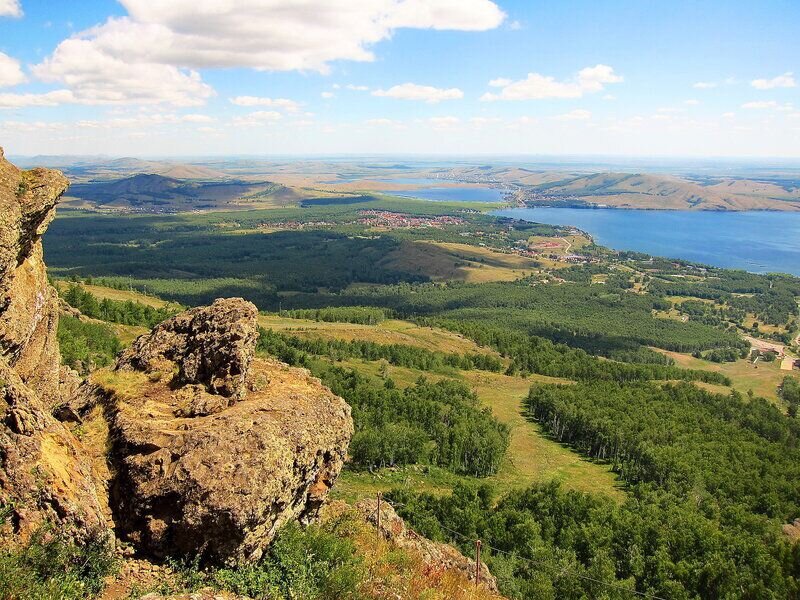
212	346
195	472
44	476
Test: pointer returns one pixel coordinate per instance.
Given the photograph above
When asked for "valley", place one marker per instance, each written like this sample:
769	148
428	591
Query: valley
410	309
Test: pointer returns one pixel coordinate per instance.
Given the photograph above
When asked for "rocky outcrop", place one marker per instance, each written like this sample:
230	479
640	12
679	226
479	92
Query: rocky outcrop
43	474
442	557
211	346
28	305
198	467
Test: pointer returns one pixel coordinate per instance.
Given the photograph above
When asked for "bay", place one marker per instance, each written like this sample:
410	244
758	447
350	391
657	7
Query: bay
756	241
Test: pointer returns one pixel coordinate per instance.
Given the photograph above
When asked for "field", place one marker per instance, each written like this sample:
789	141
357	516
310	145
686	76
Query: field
460	262
763	380
391	331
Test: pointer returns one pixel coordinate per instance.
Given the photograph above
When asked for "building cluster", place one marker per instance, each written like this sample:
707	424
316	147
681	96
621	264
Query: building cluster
294	225
393	220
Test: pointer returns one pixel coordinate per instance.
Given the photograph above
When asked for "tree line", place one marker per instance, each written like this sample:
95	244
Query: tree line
292	350
438	423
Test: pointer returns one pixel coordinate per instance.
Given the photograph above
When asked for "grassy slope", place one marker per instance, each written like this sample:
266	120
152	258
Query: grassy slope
763	380
532	456
460	262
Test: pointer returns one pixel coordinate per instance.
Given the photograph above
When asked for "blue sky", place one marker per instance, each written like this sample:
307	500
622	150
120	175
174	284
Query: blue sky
212	77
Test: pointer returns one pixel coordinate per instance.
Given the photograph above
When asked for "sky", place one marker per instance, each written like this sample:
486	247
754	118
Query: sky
649	78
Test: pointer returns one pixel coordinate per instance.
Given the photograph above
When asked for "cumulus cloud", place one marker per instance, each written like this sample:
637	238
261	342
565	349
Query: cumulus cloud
539	87
10	71
53	98
278	103
781	81
10	8
96	75
357	88
705	85
422	93
327	95
152	55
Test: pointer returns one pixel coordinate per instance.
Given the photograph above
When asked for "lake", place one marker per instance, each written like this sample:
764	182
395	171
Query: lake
453	194
757	241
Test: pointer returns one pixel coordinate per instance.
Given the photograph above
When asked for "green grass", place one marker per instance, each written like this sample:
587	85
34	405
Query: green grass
532	456
763	381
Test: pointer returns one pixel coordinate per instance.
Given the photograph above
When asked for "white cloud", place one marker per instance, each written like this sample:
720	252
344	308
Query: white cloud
279	103
423	93
10	8
691	102
151	56
728	115
266	34
258	118
781	81
96	75
760	105
705	85
578	114
53	98
357	88
327	95
10	72
538	87
515	25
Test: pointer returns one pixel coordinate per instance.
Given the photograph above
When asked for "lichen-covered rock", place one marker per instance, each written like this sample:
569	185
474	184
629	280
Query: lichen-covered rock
197	474
435	554
28	305
211	346
44	476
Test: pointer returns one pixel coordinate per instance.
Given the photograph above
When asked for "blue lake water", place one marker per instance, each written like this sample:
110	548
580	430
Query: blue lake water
450	194
413	180
757	241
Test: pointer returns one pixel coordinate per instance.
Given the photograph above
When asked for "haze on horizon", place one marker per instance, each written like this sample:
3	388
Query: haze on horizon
462	77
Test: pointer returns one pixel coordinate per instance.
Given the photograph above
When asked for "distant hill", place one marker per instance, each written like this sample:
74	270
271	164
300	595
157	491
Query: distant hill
639	190
152	192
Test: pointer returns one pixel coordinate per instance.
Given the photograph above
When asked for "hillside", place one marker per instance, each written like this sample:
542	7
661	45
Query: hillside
178	192
662	192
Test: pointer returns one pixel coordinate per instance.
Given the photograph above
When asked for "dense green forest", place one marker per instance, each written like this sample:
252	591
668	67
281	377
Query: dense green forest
438	423
114	311
600	319
711	478
86	345
546	543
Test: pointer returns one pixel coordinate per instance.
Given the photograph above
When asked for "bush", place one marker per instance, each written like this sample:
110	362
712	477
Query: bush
51	567
301	563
